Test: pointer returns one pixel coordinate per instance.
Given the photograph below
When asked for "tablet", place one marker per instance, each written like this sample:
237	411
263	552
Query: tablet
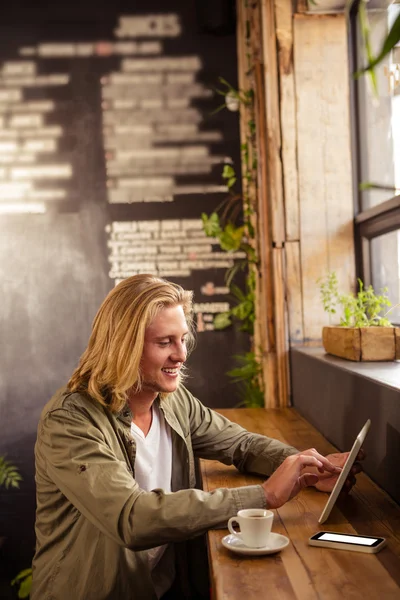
345	471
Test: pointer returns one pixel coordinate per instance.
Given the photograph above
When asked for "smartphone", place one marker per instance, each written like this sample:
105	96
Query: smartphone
348	541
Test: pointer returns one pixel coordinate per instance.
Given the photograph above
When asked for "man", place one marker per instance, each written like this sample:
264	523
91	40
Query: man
115	457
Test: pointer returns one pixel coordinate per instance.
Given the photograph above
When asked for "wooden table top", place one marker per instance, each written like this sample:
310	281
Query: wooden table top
302	572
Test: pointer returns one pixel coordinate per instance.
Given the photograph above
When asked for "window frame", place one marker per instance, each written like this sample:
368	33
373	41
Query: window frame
384	217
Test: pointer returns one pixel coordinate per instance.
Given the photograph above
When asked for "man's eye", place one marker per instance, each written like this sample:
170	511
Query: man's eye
163	343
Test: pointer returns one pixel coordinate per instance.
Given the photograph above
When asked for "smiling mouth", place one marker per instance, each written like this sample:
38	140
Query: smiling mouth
171	372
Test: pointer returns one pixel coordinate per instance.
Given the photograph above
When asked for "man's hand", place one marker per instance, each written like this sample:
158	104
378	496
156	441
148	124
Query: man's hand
294	474
326	481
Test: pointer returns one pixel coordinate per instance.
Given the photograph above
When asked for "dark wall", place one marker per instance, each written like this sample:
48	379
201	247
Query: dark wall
338	401
55	267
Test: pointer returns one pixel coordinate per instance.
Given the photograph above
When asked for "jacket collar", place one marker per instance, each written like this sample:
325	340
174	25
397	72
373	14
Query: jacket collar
125	415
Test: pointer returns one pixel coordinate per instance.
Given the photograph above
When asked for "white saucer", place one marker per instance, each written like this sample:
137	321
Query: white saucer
276	543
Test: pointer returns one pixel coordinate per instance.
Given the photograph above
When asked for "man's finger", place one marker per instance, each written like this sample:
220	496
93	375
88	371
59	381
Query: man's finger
356	468
326	464
319	461
349	483
361	455
308	479
352	480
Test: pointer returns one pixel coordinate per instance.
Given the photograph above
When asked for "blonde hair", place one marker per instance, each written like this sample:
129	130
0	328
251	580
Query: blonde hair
110	365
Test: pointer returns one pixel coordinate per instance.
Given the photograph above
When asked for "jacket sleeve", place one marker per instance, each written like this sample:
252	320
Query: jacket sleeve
216	438
76	457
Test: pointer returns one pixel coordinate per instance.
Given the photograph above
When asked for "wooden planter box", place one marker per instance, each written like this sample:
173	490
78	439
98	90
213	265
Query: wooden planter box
362	343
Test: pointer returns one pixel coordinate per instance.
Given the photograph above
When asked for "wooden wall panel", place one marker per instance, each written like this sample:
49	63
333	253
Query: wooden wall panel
273	126
324	161
284	36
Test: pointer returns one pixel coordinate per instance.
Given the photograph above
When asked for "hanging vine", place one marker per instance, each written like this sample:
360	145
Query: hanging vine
233	224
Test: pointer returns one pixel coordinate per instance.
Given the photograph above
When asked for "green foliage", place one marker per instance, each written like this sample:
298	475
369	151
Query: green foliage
24	581
365	33
361	310
227	90
370	185
211	224
222	320
9	475
391	40
229	174
231	224
229	236
242	312
232	239
389	43
248	374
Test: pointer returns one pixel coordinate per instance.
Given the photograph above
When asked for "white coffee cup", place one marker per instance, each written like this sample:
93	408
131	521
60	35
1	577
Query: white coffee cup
255	526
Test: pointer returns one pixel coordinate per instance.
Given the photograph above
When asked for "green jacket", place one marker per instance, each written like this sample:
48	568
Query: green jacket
93	522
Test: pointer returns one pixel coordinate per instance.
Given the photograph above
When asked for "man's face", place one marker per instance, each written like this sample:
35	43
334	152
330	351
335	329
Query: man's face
164	351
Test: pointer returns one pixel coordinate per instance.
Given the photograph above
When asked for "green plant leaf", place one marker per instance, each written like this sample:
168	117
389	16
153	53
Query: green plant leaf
242	310
247	376
25	587
369	185
389	43
21	575
365	33
211	224
24	581
227	84
231	237
230	273
250	367
9	474
222	320
362	310
238	293
228	172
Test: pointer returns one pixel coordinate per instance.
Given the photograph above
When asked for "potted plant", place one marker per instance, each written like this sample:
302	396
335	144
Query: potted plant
363	334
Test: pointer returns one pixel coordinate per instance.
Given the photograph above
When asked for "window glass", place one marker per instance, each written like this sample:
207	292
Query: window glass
385	263
379	118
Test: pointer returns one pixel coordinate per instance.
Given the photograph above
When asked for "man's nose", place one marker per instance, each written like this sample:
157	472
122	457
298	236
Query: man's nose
179	352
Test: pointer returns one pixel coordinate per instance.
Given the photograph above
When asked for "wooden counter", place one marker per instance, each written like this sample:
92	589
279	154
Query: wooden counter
300	571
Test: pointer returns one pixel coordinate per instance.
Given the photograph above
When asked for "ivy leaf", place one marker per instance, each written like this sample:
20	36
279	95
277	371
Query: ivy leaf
228	172
211	224
231	237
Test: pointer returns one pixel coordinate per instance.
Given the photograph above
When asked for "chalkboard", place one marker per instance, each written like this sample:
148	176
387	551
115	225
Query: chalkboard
109	153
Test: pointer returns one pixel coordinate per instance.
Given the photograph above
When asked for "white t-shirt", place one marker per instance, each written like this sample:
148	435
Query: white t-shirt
153	468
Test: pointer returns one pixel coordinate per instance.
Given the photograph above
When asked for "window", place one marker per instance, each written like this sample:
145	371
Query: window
376	128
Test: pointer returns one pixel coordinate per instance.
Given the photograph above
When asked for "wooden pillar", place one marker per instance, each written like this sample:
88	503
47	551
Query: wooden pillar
297	66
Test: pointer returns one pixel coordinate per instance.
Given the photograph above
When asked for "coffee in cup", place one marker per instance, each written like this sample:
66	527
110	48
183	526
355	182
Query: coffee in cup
255	526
